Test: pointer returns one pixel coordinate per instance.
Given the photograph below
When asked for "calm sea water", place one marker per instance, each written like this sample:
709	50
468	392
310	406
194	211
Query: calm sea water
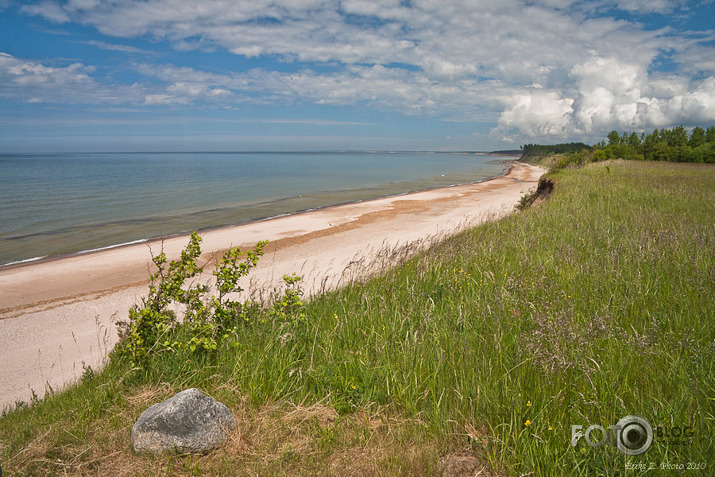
68	203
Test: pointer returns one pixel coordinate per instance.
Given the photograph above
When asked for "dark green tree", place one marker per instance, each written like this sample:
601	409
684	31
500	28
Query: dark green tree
710	134
635	142
678	137
614	139
661	152
697	137
649	143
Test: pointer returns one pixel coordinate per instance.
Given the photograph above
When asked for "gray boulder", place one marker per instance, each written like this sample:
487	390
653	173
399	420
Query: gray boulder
188	422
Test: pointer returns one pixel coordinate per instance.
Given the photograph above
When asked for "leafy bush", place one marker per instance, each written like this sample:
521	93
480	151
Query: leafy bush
290	307
152	326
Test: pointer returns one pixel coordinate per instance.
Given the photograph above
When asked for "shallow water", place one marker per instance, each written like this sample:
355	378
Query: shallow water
68	203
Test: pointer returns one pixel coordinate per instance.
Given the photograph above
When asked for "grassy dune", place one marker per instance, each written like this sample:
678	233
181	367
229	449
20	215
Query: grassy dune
480	353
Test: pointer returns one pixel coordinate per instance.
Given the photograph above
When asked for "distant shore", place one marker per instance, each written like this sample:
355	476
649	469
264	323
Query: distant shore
57	314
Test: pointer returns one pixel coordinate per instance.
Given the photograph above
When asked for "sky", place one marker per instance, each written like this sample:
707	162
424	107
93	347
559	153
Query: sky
221	75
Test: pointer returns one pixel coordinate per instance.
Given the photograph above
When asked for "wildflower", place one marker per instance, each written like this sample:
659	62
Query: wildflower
528	403
527	423
551	428
353	386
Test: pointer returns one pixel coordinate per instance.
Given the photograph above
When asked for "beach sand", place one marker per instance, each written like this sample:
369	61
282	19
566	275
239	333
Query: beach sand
59	314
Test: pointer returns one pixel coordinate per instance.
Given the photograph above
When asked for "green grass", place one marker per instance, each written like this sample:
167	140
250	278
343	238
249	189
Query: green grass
597	304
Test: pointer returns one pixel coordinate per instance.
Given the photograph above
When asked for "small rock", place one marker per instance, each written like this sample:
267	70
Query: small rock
188	422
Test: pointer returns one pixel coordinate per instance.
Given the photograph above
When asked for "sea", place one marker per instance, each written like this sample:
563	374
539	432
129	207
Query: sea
55	205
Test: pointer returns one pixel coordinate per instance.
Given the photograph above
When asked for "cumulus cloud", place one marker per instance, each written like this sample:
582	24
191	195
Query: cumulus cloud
536	114
609	94
454	60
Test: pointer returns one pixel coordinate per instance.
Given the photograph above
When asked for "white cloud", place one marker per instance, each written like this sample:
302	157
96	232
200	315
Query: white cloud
609	94
115	47
648	6
696	106
159	99
536	114
25	73
445	39
454	60
34	82
50	10
698	56
375	86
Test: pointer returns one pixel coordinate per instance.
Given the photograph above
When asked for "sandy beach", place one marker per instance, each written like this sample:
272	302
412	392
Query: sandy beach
59	314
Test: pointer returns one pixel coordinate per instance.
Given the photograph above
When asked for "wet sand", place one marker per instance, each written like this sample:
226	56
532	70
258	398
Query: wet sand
58	314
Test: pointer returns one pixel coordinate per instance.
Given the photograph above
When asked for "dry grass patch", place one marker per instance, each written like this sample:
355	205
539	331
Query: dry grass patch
274	439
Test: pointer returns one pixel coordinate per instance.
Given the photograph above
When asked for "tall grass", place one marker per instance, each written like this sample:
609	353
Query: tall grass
597	304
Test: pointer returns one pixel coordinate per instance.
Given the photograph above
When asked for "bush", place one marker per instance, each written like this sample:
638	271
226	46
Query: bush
152	326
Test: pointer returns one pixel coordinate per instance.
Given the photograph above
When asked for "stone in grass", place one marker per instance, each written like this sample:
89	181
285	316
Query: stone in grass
188	422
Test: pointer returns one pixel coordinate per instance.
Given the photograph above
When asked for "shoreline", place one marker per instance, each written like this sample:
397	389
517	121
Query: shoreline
57	316
508	164
147	244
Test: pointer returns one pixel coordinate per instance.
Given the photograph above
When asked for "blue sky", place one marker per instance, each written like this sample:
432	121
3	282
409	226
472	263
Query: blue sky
88	75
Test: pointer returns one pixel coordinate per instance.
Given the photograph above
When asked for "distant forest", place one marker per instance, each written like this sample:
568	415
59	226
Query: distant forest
676	145
532	150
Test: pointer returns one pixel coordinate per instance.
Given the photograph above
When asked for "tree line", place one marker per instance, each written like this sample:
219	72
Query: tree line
676	145
531	150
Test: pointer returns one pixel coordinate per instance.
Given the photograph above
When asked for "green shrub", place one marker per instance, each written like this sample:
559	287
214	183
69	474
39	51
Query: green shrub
152	326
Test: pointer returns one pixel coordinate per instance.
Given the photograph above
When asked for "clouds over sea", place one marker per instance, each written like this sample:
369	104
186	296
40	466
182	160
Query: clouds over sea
557	69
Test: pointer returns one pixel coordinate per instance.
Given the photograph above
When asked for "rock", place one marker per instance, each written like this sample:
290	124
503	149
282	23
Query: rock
188	422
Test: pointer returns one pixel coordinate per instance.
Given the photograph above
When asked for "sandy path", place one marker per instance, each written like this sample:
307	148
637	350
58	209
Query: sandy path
58	314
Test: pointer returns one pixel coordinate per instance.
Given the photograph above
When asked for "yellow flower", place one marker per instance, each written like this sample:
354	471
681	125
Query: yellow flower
528	403
527	423
353	386
551	428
